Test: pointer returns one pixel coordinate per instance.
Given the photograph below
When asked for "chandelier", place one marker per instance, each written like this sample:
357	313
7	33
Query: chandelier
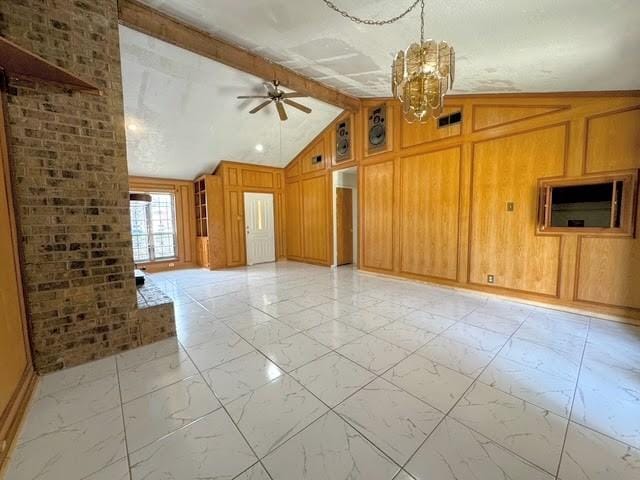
422	74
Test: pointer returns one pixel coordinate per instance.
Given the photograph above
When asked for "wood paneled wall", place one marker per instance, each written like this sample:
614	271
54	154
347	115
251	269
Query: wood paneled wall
433	206
185	218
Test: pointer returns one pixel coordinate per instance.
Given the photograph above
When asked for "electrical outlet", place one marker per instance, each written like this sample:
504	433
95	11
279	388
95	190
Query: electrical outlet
490	279
171	265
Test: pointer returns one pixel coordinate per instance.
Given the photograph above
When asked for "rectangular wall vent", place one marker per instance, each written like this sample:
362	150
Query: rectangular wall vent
451	119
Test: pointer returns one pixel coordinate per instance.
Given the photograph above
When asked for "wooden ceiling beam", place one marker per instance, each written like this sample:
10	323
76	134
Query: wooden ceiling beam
166	28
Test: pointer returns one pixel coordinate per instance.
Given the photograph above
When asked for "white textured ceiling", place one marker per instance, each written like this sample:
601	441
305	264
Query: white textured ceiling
501	45
183	117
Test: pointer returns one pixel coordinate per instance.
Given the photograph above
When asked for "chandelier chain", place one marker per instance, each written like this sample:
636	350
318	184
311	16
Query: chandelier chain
368	21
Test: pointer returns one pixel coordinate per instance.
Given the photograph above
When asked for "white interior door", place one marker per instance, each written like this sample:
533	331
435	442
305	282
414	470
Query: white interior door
259	226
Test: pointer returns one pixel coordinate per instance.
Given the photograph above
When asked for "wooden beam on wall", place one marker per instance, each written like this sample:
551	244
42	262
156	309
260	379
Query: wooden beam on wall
166	28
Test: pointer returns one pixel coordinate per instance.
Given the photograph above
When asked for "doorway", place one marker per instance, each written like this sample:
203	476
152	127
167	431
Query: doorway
259	228
345	221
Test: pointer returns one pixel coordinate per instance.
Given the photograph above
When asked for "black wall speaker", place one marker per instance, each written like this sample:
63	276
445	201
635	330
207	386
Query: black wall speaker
378	128
343	141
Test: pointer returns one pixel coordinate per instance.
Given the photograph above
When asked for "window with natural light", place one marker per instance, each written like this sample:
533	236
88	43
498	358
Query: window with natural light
153	228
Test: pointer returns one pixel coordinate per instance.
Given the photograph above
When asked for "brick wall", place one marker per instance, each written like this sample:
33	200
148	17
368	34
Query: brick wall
70	180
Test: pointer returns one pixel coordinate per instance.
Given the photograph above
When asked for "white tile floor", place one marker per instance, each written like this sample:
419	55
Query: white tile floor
288	371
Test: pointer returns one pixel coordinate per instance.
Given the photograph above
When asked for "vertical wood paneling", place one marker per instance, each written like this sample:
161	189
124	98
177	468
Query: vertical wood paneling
315	202
504	243
430	193
234	226
377	215
294	220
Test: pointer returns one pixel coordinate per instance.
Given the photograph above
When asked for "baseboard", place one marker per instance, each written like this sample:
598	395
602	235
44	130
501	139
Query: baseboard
14	414
616	314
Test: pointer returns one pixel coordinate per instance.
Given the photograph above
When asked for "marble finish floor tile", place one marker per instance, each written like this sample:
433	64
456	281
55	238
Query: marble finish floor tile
542	389
435	384
334	310
116	471
456	356
304	320
390	418
404	335
266	333
72	377
332	378
227	346
247	319
73	452
529	431
242	375
159	413
257	472
478	338
589	455
334	334
543	358
153	375
455	452
273	413
365	321
510	373
390	310
373	353
293	352
210	448
608	401
53	411
428	321
329	449
145	354
488	321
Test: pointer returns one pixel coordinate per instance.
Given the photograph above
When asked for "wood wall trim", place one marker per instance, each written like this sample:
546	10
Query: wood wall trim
15	414
142	18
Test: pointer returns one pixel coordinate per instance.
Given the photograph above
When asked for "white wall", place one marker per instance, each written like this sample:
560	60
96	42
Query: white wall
346	178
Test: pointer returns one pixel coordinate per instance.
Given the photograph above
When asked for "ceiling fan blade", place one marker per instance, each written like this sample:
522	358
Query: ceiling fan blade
254	96
297	105
260	107
294	95
281	112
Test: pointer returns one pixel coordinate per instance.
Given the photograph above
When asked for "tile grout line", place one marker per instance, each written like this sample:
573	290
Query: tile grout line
447	414
124	425
223	407
573	399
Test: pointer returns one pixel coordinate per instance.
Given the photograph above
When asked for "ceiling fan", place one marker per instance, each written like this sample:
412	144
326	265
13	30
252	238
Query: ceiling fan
274	94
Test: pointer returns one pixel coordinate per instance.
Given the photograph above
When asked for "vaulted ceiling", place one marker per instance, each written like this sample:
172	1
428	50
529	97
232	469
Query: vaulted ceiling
183	118
186	118
502	45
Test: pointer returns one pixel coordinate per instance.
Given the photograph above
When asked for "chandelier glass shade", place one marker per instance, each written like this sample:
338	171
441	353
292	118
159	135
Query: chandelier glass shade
422	74
420	78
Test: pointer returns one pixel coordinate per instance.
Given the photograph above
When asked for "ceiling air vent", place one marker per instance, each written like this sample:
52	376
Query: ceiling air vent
451	119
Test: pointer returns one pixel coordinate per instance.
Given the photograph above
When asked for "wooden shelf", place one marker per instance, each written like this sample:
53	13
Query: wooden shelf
20	63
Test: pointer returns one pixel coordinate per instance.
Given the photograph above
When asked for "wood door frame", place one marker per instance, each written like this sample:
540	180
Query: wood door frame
12	416
275	230
337	243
